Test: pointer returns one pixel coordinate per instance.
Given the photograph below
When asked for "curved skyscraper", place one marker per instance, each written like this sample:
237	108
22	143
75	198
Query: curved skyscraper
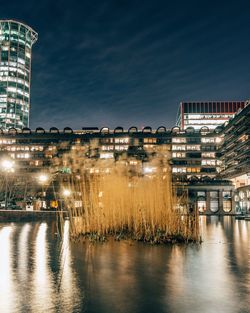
16	40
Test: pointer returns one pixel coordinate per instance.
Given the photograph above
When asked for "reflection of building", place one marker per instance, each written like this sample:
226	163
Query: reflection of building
210	114
16	40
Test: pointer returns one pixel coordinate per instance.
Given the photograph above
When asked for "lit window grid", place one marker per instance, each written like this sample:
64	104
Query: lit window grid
16	40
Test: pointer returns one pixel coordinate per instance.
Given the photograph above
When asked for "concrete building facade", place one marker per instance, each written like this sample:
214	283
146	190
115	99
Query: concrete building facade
192	155
235	157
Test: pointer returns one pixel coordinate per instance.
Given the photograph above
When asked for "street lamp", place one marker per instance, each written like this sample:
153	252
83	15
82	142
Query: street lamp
66	193
8	167
43	179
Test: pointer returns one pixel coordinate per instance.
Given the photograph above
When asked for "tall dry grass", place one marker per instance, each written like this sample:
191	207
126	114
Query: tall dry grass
127	199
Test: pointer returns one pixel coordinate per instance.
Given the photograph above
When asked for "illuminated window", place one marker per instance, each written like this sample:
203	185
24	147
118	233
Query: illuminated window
179	170
179	140
208	162
193	169
23	155
178	154
107	148
178	147
209	139
51	148
121	148
193	147
243	138
121	140
227	201
149	140
218	139
208	155
148	146
106	155
133	162
201	201
214	201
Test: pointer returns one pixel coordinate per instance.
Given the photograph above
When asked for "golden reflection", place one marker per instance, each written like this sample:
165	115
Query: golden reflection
43	291
175	271
210	262
39	273
241	240
23	253
6	272
111	276
67	281
23	269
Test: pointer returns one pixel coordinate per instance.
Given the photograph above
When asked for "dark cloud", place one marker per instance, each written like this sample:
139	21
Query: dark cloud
132	62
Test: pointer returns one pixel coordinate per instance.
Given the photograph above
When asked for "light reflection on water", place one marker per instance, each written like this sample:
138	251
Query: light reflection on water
40	273
7	288
42	281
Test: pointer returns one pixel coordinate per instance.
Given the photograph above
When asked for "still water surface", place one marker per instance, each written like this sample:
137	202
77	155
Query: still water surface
39	273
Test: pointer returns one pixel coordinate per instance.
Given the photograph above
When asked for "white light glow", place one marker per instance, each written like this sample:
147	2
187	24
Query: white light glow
106	155
148	170
43	178
7	165
66	192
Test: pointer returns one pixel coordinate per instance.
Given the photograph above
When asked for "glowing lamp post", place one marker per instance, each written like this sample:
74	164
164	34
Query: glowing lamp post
66	193
7	167
43	179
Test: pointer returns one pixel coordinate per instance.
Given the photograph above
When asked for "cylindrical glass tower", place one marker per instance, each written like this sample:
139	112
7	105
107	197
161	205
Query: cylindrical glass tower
16	40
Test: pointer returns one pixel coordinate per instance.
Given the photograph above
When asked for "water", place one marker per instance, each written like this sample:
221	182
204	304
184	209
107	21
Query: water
40	274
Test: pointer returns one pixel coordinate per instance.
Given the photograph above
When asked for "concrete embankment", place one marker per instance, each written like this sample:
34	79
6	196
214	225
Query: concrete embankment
27	216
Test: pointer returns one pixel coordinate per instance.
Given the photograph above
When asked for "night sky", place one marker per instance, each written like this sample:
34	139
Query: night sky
124	63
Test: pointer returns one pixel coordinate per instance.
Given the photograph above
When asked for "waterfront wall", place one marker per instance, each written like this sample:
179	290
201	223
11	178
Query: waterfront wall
26	216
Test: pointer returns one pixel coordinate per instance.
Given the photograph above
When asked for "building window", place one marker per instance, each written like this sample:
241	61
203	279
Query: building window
107	148
214	201
227	201
178	147
23	155
201	201
193	147
178	154
106	155
206	140
121	148
243	138
208	162
208	155
107	140
125	140
179	140
193	170
149	140
179	170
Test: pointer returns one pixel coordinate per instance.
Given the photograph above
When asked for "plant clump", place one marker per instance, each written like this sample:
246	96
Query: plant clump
127	199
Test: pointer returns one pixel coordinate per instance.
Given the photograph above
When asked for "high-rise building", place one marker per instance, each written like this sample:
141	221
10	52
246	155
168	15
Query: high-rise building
16	40
209	114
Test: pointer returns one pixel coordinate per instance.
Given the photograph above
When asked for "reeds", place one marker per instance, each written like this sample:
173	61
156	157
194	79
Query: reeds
127	199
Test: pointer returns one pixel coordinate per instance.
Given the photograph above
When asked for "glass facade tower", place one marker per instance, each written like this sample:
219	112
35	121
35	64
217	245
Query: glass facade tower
16	40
